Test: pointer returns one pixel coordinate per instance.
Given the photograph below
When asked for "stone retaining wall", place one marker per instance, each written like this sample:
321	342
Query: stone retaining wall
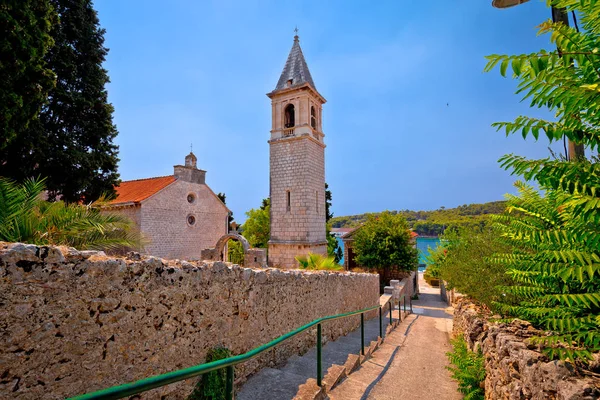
516	369
402	290
76	321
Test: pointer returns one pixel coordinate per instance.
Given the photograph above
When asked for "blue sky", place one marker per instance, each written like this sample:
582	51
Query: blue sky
409	109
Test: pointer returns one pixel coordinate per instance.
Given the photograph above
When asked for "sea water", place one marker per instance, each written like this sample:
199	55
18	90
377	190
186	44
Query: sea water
423	245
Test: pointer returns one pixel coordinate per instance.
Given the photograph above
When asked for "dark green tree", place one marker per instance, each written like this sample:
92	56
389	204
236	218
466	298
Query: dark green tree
230	218
24	77
333	247
328	213
384	242
71	143
257	228
265	203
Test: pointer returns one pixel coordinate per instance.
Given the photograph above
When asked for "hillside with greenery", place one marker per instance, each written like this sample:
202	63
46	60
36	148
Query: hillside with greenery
433	223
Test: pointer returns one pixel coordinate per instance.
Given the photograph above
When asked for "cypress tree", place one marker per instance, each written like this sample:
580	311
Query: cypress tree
71	143
24	78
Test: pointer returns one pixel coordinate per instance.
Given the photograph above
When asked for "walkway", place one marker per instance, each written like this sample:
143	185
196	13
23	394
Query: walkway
411	362
283	383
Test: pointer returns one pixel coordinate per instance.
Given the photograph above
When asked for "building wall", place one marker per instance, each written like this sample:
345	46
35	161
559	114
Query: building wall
297	167
164	221
284	255
132	212
74	322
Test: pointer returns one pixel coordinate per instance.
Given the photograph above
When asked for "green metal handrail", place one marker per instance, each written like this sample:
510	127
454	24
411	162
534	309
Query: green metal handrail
153	382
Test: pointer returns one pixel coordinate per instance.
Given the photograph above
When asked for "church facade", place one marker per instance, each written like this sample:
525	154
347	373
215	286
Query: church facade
297	165
178	215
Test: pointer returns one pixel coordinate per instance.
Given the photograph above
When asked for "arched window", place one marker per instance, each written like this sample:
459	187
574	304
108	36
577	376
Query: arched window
290	116
313	117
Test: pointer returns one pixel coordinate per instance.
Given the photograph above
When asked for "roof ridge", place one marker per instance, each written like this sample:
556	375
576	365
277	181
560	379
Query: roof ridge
146	179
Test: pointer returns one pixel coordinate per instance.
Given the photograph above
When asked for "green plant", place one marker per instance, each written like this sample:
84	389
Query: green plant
555	268
230	218
257	228
434	260
333	247
557	237
384	243
235	252
25	217
468	369
71	142
318	262
25	76
211	386
462	261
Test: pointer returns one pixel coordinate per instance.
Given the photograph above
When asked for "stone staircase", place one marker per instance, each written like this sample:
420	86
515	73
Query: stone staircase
297	378
411	363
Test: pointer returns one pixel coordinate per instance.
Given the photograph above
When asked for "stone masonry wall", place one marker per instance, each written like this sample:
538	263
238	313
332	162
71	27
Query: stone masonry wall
297	165
516	369
164	221
77	321
284	255
132	212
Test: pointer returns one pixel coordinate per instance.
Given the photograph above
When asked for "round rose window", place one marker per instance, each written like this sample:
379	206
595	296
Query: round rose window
191	220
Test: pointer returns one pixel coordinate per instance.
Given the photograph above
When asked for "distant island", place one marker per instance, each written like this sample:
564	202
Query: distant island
433	223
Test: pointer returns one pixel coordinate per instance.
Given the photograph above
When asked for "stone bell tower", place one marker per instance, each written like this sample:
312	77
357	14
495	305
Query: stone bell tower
297	165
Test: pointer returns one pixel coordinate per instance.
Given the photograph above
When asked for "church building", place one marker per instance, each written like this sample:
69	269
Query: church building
179	215
297	165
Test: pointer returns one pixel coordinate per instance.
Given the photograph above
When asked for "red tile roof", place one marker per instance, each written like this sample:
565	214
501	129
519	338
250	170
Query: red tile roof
140	189
413	234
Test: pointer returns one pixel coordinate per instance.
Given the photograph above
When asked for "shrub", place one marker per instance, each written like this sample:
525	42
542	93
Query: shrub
211	385
257	228
235	252
463	262
555	268
468	369
557	261
318	262
434	260
384	243
26	217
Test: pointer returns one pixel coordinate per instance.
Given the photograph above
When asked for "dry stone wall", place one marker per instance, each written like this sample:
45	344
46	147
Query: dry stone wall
515	368
77	321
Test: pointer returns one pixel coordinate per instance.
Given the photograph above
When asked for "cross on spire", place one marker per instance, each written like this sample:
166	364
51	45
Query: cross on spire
295	69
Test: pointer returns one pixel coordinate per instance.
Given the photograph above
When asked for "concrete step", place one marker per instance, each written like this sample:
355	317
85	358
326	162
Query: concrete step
310	391
335	374
297	376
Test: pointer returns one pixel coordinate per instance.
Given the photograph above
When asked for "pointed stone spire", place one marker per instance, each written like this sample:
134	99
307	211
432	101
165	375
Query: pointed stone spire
295	72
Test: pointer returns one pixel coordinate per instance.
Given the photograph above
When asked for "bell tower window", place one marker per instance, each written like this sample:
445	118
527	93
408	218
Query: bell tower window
290	116
313	117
